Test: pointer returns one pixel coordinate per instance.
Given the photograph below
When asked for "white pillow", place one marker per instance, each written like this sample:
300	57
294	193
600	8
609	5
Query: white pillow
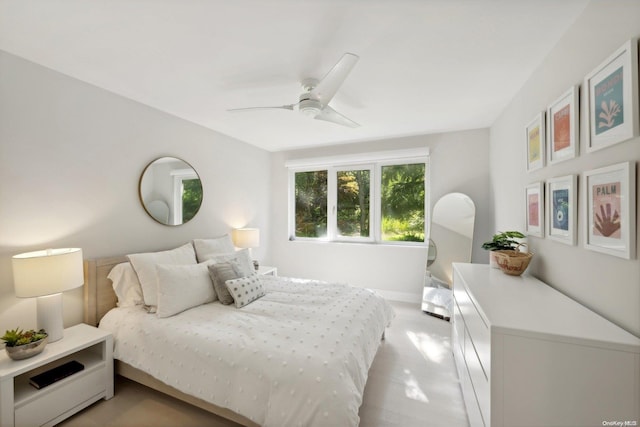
240	258
145	266
181	287
245	289
207	248
126	285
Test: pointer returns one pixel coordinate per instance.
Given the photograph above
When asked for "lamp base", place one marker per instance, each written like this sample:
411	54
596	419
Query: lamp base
49	309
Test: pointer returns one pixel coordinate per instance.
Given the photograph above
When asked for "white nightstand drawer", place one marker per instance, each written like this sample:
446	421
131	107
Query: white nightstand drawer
75	390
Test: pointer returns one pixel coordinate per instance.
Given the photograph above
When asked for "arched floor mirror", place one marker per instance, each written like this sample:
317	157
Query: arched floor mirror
451	240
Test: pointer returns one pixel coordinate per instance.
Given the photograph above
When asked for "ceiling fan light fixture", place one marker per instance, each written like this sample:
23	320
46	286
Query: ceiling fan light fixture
310	107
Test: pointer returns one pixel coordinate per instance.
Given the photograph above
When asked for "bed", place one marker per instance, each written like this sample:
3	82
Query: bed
298	355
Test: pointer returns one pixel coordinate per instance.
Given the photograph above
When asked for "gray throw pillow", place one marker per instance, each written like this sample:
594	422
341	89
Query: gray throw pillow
220	273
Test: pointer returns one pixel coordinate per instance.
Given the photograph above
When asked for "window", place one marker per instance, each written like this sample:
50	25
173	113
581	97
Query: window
187	194
353	203
402	201
191	198
382	200
311	204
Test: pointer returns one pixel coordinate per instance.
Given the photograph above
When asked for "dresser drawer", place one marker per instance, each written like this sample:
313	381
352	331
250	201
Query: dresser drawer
478	379
478	330
458	328
53	400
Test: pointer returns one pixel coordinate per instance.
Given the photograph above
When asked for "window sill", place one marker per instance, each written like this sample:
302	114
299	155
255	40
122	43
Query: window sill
408	245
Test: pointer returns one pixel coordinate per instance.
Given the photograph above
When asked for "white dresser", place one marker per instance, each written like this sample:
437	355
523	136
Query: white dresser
527	355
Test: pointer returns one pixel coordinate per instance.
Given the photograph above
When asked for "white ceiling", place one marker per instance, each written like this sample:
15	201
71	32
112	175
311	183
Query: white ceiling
425	66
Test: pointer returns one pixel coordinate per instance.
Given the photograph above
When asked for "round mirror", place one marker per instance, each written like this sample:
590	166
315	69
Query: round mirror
170	191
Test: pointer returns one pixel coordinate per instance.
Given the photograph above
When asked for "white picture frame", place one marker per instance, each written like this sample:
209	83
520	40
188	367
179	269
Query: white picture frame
563	127
609	199
561	209
535	137
611	93
534	209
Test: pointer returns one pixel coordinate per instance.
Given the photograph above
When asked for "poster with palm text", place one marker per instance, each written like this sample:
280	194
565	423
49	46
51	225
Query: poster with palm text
610	199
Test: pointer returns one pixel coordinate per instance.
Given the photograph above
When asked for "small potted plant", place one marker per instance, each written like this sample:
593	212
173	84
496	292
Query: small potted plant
502	241
24	344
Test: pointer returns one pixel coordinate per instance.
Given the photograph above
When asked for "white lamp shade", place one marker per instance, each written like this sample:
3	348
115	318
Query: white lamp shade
246	237
47	272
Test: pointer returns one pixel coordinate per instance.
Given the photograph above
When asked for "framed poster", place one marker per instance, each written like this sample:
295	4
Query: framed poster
534	201
562	209
612	98
562	138
535	137
610	200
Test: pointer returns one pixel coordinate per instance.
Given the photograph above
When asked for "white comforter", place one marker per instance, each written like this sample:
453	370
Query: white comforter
299	356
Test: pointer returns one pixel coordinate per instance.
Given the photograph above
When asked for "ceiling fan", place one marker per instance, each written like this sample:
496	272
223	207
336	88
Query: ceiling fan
314	102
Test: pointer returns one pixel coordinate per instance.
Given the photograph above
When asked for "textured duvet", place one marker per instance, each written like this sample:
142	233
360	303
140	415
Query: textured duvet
299	356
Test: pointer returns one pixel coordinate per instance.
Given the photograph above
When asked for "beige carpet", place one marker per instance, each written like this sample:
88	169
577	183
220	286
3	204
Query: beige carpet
412	383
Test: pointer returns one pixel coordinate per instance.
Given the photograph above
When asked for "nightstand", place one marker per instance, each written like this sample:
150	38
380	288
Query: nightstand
265	270
21	404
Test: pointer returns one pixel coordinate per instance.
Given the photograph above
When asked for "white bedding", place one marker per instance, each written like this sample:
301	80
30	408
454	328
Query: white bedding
299	356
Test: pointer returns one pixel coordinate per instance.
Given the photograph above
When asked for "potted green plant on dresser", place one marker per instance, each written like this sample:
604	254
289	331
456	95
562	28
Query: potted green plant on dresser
502	241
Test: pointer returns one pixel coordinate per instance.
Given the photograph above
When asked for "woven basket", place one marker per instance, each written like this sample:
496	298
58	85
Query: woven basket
513	263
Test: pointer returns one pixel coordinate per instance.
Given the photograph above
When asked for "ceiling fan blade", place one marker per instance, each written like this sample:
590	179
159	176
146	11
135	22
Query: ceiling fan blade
331	82
330	115
279	107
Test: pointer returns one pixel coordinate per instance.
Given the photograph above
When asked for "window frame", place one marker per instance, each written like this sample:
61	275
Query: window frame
373	162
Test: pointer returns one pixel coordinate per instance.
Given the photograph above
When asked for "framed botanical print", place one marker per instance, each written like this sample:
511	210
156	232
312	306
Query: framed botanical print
534	202
610	202
562	209
535	137
611	91
562	129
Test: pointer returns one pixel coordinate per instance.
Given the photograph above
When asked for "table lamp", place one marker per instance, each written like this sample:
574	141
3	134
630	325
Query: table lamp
45	275
246	238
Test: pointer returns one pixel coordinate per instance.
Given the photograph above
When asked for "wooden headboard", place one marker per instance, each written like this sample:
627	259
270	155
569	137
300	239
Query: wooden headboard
99	296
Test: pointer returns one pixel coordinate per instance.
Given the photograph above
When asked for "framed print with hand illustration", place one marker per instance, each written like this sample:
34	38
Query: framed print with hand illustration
611	92
561	209
609	197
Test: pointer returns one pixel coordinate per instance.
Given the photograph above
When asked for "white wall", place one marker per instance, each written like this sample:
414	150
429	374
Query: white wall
71	156
459	162
606	284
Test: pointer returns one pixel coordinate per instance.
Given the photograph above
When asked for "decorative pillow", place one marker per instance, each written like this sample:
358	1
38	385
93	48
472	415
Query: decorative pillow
241	258
181	287
126	285
145	266
208	248
221	272
245	289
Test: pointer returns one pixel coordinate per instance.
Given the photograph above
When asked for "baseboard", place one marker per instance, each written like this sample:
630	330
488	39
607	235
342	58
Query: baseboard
399	296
